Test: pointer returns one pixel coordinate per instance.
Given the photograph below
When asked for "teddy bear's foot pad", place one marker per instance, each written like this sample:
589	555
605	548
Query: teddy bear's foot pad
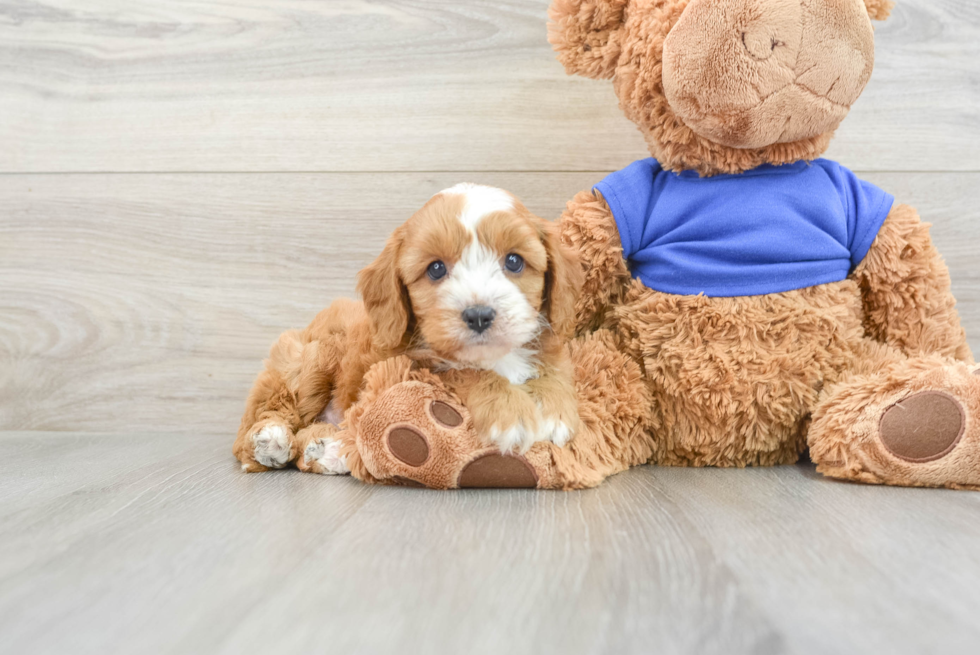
496	471
915	428
491	470
923	427
409	446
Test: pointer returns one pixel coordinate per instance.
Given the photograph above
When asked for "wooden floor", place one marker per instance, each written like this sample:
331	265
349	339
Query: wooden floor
180	181
155	543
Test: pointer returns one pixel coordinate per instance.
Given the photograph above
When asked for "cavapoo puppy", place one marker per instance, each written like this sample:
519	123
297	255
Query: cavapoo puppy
473	287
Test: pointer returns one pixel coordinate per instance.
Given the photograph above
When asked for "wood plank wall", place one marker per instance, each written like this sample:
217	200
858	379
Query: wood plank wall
181	181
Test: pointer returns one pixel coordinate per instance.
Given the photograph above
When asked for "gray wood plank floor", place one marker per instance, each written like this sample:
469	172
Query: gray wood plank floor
181	181
155	543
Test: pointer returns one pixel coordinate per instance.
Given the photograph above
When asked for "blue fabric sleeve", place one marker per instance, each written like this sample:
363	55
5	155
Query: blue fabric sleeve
628	193
871	207
866	207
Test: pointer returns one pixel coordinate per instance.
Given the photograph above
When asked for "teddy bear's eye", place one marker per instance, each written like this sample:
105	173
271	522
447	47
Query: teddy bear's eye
436	271
514	263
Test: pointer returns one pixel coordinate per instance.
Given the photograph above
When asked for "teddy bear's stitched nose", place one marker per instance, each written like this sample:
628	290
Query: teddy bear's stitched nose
761	44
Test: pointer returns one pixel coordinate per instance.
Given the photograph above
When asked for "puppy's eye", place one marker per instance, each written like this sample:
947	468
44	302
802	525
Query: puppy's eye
514	263
436	271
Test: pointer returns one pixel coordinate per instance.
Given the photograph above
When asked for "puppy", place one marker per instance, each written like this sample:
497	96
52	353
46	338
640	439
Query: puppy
474	287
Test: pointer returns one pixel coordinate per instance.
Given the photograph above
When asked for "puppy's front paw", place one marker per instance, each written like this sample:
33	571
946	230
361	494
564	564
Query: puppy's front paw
556	430
323	456
559	408
511	420
513	437
271	446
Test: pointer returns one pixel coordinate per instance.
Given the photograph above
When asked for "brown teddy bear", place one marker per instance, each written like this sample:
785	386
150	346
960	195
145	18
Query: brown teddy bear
744	299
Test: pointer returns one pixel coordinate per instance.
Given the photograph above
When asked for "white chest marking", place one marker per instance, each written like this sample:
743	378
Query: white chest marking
518	366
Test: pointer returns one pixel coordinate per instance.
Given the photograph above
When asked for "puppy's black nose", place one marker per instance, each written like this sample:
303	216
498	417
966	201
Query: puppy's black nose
479	318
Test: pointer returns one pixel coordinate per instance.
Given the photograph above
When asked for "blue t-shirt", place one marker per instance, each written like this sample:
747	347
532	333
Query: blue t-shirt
768	230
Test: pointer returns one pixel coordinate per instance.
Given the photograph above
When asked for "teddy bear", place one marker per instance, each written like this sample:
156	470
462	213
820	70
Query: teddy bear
745	301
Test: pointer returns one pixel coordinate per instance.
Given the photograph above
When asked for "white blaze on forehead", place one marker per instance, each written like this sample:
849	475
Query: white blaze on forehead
480	201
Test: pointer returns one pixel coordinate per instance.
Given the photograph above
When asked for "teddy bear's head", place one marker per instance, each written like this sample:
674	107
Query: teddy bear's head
723	86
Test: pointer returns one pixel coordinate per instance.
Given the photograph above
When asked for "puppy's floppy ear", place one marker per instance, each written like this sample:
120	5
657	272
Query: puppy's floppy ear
880	9
587	35
385	296
562	282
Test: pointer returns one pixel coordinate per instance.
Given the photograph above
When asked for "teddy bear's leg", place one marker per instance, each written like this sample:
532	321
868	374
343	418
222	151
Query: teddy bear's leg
410	430
908	422
417	433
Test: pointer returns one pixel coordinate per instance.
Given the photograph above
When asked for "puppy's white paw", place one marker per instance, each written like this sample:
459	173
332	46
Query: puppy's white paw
556	431
271	446
326	453
518	437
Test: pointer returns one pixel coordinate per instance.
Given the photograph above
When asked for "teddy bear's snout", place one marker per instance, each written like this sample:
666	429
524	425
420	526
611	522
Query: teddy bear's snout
753	73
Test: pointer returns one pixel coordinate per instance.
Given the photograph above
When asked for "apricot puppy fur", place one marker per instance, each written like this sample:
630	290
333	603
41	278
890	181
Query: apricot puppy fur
473	287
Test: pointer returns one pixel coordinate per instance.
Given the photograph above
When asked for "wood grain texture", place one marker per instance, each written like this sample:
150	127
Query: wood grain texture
150	300
148	543
371	85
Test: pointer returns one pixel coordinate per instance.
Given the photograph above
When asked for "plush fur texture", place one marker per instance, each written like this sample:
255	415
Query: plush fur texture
873	374
696	381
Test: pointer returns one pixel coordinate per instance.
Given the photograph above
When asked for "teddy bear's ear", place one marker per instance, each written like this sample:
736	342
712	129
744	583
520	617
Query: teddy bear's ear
880	9
586	35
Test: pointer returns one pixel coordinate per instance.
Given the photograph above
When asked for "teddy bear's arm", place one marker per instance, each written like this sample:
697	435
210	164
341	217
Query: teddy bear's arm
588	227
905	287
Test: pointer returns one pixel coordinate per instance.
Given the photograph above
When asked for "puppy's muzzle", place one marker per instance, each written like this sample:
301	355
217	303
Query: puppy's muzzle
479	318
